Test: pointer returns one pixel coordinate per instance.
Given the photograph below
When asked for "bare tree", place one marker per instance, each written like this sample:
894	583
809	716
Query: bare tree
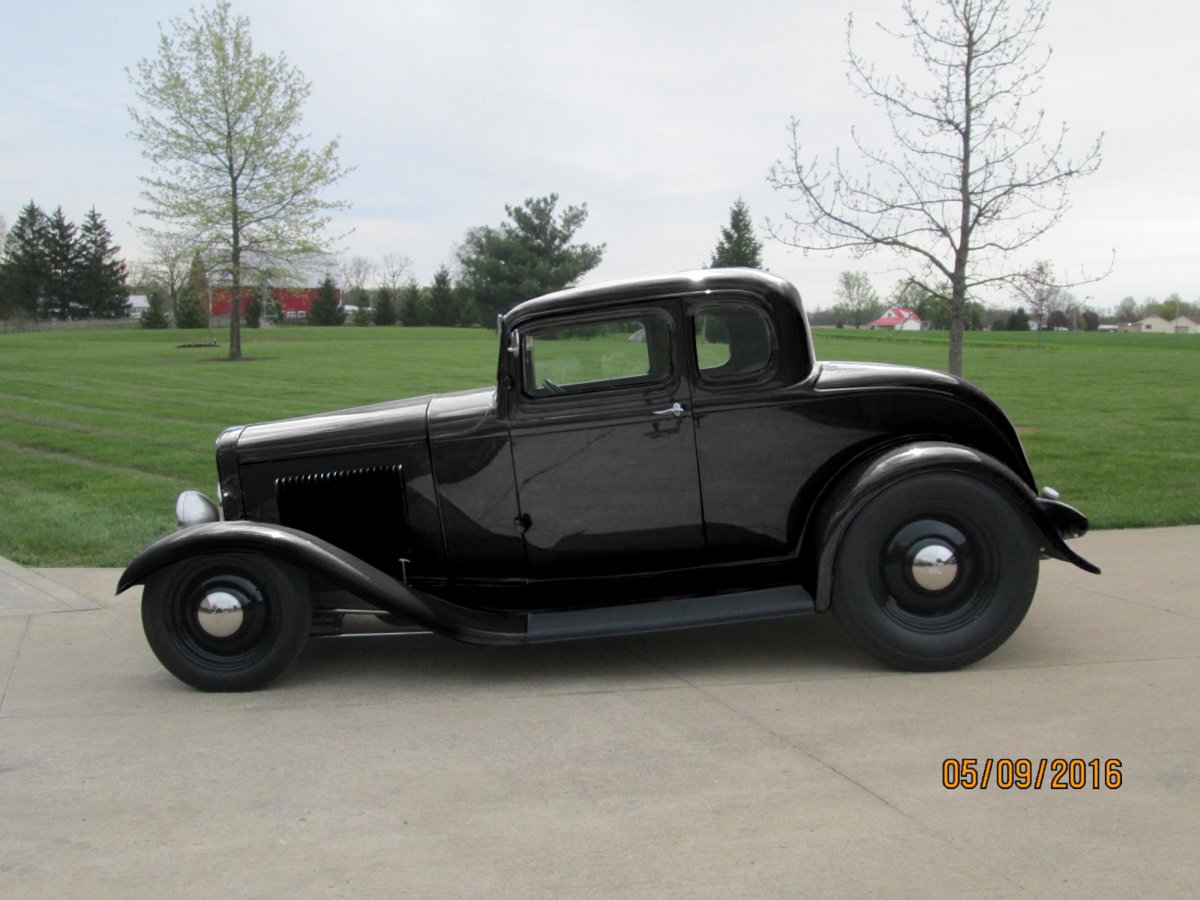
355	272
970	179
1039	292
169	255
394	272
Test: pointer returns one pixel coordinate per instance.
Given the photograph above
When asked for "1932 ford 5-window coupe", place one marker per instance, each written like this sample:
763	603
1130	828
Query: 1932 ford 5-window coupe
655	454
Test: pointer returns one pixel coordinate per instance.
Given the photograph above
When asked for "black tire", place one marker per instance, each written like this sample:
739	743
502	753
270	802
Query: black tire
269	631
878	596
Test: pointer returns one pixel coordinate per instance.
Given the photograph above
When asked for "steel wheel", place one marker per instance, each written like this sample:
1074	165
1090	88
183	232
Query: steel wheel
935	572
226	623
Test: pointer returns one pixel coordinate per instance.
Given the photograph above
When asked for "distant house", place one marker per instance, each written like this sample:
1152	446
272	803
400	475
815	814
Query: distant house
901	318
1186	325
1150	325
138	304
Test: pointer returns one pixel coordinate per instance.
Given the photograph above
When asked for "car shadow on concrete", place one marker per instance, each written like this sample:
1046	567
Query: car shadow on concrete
800	648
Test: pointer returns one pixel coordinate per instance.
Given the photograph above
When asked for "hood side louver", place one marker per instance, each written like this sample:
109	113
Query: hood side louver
361	510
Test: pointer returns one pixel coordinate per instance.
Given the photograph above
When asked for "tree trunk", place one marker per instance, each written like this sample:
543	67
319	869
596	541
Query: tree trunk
956	344
958	314
235	317
235	302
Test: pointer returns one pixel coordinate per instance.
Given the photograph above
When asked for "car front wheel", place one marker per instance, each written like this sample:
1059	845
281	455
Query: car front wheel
230	622
935	572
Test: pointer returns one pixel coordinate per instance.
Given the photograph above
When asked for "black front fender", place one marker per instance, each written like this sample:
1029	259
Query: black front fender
1054	521
334	565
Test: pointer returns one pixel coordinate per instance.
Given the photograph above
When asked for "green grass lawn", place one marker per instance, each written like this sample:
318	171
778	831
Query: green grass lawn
101	429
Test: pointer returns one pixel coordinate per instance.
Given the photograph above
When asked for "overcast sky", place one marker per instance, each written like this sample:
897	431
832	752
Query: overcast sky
658	114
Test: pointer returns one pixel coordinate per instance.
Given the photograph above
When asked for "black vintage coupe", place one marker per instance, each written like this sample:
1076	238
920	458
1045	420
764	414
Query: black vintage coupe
655	454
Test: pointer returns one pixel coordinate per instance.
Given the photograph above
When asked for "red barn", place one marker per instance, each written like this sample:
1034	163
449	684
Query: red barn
292	303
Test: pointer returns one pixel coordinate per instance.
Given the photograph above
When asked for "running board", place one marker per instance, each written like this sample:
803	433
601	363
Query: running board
668	615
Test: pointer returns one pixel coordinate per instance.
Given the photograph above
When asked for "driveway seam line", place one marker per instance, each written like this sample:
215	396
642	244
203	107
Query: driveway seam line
13	668
1121	599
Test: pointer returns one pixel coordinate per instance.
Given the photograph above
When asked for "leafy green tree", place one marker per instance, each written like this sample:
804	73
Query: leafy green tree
24	268
192	306
102	276
528	255
221	126
1174	307
443	300
1091	320
1129	310
738	245
325	309
969	180
857	302
414	306
385	306
155	315
62	300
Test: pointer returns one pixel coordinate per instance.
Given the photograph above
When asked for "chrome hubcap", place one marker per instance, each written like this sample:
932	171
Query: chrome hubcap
934	566
220	614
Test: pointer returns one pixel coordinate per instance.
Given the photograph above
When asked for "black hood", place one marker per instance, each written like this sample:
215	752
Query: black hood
395	422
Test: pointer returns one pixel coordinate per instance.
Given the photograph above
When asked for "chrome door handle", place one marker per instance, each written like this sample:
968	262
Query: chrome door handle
675	409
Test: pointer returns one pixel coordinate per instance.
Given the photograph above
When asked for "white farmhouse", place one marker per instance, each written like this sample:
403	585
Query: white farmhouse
901	318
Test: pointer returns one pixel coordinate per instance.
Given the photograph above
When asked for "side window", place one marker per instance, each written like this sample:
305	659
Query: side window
733	341
597	355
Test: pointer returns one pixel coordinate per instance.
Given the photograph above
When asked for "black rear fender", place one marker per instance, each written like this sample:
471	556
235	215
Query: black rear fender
1054	522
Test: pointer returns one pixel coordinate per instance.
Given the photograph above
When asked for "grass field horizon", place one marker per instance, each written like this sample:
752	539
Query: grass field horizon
101	429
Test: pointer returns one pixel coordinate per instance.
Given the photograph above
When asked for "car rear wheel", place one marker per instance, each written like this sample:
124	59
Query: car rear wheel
935	572
230	622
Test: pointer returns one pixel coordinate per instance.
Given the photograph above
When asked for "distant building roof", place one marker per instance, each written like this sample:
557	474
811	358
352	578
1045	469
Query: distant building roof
897	315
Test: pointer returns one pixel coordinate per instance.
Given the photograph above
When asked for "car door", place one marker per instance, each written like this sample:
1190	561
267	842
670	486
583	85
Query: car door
603	444
749	456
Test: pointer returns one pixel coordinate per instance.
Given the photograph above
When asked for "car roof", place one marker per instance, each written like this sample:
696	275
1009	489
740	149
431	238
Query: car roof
632	290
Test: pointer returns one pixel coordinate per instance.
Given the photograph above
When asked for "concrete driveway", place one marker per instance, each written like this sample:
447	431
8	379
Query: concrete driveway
771	759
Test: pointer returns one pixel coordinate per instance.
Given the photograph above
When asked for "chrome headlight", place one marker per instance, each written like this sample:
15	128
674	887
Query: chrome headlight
193	508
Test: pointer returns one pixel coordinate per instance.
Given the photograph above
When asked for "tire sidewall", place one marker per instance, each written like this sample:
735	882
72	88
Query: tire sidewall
997	594
170	596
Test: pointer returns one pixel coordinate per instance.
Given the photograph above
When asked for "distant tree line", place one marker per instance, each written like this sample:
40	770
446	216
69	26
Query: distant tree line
1130	310
1042	304
50	269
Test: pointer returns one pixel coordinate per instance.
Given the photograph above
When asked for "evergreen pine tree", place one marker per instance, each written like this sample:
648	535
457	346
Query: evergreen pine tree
325	309
414	307
102	290
192	309
385	307
443	302
156	315
24	268
738	245
62	300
